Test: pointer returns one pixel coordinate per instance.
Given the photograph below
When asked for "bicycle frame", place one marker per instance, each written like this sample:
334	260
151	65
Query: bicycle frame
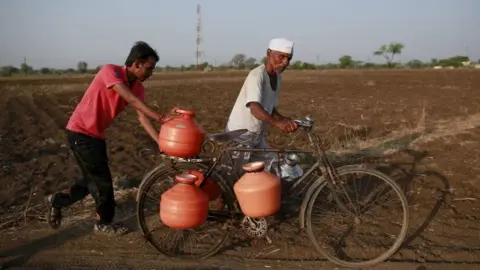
321	164
327	177
229	150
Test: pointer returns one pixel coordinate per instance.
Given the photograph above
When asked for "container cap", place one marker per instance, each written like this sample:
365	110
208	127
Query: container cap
254	166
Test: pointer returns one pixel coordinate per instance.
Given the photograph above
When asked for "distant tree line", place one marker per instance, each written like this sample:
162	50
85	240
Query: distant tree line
25	69
242	62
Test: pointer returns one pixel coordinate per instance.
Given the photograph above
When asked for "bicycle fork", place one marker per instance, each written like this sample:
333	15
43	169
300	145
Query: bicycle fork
330	172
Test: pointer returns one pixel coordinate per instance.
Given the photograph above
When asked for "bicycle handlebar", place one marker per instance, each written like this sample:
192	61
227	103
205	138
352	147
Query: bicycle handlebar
306	123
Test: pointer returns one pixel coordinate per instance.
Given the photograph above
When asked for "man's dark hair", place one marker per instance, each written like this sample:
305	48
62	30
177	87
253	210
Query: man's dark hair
140	51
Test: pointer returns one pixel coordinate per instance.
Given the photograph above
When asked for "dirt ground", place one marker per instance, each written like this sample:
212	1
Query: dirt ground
433	115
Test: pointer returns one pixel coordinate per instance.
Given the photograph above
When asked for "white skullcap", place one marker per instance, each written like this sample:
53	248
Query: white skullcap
281	45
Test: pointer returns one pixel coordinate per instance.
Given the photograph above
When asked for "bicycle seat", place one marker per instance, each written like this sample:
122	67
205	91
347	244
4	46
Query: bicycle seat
226	136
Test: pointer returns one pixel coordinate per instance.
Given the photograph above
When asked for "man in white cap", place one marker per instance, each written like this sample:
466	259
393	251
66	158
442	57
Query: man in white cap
255	107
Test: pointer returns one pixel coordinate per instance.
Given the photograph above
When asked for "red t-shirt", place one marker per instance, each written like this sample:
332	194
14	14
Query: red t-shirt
100	103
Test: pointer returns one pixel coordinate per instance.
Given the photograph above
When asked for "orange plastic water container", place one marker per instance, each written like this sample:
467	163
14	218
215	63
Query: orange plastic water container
185	205
258	192
181	136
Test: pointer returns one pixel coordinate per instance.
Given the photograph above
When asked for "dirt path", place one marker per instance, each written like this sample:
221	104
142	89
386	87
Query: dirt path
116	261
77	248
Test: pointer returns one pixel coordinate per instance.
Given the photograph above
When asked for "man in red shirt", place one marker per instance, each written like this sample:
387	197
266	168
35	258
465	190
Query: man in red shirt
109	93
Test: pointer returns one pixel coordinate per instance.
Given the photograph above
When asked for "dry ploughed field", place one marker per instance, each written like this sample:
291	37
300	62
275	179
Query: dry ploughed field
421	127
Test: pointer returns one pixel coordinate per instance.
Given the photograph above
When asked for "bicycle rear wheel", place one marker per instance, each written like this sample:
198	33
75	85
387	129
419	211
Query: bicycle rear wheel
359	206
197	243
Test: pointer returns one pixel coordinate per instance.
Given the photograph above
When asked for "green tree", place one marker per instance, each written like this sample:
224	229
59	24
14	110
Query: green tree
455	61
345	61
203	66
369	65
250	62
415	63
82	67
45	71
8	71
26	69
238	60
389	51
97	69
306	65
357	63
330	66
296	65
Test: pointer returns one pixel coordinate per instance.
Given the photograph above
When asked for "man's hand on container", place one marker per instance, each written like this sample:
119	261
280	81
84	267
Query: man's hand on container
168	116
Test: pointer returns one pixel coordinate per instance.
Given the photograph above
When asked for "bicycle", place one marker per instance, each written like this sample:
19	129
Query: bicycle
226	214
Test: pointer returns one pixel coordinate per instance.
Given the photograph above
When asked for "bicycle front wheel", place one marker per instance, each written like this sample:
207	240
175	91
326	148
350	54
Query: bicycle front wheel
331	221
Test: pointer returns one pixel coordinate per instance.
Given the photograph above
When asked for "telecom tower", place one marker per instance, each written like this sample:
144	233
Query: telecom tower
199	37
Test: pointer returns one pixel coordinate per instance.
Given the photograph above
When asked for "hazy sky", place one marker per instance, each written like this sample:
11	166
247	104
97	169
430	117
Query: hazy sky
59	33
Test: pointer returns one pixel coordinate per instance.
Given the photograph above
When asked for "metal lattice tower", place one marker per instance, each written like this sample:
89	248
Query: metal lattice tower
199	36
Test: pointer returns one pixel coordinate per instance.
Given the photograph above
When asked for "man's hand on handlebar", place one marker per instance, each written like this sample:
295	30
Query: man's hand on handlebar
286	125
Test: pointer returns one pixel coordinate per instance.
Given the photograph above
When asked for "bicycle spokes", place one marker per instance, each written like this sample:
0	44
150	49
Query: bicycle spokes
371	221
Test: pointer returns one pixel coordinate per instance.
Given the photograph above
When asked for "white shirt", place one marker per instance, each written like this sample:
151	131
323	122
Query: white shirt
256	88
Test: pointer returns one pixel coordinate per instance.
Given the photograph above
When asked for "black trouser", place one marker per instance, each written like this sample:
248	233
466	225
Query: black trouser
91	156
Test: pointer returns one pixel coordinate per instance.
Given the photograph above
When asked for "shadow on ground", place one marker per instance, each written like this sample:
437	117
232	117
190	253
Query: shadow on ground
80	228
429	196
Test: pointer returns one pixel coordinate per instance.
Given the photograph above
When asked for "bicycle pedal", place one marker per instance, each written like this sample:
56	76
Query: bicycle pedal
268	239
